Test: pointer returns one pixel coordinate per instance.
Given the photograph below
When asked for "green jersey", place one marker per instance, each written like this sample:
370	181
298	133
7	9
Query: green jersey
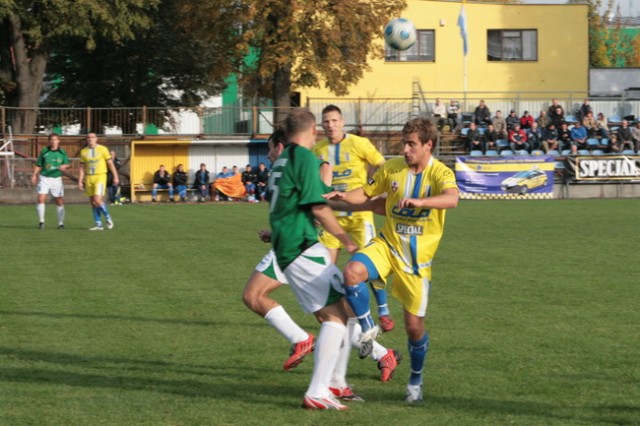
50	162
294	187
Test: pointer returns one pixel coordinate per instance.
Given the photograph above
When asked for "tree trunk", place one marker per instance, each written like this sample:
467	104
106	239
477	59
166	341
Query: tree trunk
28	75
282	93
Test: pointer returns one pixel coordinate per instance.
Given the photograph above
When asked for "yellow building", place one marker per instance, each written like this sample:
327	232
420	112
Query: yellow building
512	48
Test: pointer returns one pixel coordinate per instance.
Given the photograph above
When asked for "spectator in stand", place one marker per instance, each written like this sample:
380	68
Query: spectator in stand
550	138
553	110
512	119
526	121
490	138
557	118
482	115
543	120
534	137
589	122
262	181
474	139
234	171
564	137
614	144
518	139
579	137
584	110
500	125
180	182
624	136
249	181
161	180
635	135
452	114
602	125
112	190
439	114
225	173
201	183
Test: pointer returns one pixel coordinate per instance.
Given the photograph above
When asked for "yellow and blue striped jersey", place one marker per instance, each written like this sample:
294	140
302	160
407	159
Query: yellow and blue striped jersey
95	159
413	234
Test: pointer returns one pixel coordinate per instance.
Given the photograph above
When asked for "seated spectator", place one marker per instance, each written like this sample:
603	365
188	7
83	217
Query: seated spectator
225	173
500	125
564	137
584	110
234	171
534	137
249	181
635	135
474	139
557	118
624	136
262	181
614	144
161	180
439	114
543	120
602	125
452	114
512	119
482	115
518	139
578	137
550	138
201	183
180	182
526	121
490	138
589	123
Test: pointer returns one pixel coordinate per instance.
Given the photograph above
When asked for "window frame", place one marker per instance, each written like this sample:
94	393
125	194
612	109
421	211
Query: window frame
402	56
522	32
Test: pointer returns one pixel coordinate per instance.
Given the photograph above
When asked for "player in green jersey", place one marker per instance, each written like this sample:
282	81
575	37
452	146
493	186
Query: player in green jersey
48	175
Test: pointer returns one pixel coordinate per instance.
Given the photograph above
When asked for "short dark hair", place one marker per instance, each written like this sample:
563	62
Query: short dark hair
425	128
330	108
298	121
278	137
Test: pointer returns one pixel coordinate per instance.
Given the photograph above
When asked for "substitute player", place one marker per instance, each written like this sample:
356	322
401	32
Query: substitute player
352	157
419	190
48	175
94	161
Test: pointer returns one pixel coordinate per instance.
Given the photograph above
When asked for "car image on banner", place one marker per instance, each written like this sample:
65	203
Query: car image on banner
522	182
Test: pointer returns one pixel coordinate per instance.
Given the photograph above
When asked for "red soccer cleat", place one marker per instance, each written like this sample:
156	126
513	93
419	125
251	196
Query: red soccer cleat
299	351
388	363
346	394
328	403
386	323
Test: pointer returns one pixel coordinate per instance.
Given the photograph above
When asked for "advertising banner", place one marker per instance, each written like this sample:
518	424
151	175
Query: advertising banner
515	177
603	168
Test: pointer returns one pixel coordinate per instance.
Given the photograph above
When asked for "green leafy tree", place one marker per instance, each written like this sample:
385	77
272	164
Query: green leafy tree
29	29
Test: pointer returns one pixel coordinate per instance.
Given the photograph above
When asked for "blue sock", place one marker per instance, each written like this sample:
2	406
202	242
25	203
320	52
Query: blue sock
104	210
96	216
358	298
418	353
381	298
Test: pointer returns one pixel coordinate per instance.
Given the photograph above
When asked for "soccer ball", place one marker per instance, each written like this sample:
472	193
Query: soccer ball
400	34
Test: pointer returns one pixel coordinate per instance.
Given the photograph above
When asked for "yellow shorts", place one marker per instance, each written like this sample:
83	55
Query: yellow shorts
360	228
412	290
95	185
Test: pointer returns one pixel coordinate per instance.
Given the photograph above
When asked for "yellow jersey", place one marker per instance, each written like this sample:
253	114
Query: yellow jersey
350	158
95	160
413	234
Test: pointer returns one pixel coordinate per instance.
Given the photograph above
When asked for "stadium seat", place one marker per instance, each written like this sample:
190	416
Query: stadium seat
593	143
506	153
583	152
502	144
628	152
614	119
597	152
522	152
467	118
571	119
537	152
482	130
464	132
565	152
553	152
491	153
476	153
604	142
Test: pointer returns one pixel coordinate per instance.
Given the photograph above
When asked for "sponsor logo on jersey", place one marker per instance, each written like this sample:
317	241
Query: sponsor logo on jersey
407	212
343	174
342	187
403	229
394	186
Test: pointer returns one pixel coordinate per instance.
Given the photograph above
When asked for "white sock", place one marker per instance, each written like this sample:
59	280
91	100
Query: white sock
40	210
355	330
279	319
339	377
60	210
326	355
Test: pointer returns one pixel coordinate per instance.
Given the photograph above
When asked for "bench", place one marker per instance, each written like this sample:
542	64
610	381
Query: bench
143	194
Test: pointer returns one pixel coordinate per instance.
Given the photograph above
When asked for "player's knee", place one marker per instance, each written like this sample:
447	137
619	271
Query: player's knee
354	273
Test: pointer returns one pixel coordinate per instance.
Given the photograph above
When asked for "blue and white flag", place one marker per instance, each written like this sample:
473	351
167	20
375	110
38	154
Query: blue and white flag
462	23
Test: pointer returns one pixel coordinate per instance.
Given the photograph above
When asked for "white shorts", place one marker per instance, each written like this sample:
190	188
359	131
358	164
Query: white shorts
315	280
51	185
269	267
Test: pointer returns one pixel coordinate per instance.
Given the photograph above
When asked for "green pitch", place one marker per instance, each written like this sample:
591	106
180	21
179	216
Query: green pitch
534	320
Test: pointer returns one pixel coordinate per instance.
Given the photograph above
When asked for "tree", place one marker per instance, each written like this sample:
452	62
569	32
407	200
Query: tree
29	29
609	45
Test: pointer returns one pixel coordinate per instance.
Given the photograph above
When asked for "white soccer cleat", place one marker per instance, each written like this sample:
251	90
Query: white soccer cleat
109	224
327	403
96	228
365	343
414	394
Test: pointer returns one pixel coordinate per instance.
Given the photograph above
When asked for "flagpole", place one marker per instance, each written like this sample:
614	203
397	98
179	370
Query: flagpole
462	23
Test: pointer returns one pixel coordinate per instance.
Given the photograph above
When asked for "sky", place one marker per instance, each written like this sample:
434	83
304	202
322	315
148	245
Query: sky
627	7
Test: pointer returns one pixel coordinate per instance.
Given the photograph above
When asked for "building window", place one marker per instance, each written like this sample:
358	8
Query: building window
512	45
422	51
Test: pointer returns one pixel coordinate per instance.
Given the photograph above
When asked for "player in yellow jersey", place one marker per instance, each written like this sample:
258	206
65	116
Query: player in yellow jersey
94	161
352	158
419	189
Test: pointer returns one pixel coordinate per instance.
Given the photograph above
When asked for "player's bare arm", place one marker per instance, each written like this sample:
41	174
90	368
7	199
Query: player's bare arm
81	176
447	200
375	204
355	196
325	216
326	173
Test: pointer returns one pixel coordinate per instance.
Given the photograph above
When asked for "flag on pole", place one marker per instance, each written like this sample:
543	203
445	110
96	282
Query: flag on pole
462	23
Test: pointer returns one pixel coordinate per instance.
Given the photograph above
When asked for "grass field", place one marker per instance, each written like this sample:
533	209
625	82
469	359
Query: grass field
534	320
